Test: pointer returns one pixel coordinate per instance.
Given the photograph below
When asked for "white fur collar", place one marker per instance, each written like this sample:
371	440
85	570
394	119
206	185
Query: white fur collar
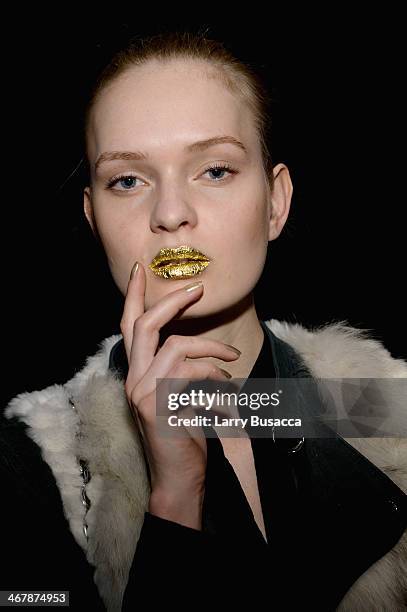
102	432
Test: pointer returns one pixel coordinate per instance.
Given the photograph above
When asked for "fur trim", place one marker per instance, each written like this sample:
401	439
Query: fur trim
383	586
337	350
103	433
52	424
118	488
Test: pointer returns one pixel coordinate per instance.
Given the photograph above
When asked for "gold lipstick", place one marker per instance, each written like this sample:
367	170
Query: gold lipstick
178	263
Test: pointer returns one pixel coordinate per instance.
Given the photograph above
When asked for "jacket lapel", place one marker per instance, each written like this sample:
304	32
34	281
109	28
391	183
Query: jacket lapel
351	514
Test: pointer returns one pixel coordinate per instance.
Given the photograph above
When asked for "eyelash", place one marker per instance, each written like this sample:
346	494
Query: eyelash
223	166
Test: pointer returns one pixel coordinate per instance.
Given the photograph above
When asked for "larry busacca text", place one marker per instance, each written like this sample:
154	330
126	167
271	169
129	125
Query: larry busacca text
217	401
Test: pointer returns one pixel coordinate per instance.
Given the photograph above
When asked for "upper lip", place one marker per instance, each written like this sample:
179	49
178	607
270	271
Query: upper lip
168	255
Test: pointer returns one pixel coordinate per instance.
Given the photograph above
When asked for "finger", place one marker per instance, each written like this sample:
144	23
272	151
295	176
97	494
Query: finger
174	381
176	349
133	305
146	333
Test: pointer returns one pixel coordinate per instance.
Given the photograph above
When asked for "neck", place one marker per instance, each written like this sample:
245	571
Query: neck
238	326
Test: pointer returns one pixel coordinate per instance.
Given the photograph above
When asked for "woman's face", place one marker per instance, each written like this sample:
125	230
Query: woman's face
168	197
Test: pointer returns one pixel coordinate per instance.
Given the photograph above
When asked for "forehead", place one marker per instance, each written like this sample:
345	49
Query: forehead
157	106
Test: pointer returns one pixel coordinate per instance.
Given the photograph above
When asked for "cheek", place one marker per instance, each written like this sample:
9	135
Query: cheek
250	226
114	238
257	226
250	249
112	226
117	237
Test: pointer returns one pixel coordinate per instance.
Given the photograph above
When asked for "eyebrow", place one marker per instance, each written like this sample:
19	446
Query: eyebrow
201	145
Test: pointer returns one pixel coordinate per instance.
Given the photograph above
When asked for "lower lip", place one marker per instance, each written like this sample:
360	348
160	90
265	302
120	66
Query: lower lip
179	271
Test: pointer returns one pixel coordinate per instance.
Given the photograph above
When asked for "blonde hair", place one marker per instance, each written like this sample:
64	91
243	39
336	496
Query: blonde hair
239	77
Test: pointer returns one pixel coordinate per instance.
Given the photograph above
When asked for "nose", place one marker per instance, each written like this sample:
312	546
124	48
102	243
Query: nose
171	212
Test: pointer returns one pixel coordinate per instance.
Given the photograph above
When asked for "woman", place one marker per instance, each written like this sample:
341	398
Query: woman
184	199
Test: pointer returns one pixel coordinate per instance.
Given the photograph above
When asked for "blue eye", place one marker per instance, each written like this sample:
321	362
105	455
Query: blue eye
220	168
124	180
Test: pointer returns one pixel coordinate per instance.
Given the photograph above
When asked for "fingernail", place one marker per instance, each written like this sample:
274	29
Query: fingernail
226	373
134	270
193	286
235	350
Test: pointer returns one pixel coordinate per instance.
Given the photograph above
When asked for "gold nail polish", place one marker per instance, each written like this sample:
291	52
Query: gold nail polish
228	374
193	286
233	348
134	270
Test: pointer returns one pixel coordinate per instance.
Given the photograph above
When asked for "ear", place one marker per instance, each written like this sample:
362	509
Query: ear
280	199
88	210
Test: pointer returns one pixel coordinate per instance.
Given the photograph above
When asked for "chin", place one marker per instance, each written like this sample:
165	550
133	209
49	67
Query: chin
209	308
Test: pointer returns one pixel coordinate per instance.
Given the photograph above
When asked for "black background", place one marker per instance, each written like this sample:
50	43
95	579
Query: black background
337	83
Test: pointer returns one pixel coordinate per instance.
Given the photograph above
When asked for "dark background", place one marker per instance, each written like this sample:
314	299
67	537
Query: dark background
336	80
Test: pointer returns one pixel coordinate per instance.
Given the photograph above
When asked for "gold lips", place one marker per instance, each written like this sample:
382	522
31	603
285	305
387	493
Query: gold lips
179	263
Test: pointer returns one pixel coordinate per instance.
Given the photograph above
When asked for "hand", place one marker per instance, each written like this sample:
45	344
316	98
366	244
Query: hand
177	464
